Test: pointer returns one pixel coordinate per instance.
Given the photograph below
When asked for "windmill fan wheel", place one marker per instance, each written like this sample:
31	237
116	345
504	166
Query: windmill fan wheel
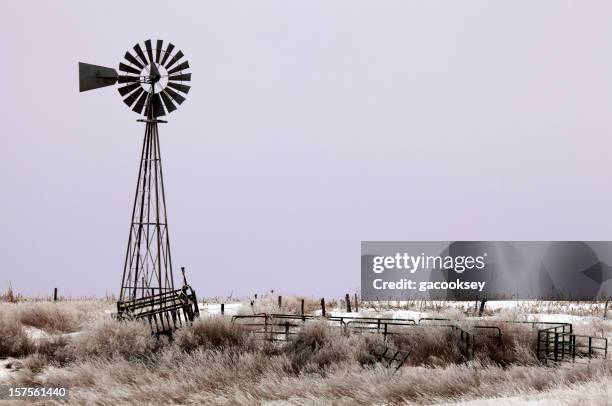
154	78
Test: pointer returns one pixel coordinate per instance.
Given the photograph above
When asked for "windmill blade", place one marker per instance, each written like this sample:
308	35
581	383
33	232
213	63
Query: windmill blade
128	89
167	53
149	50
177	97
186	77
167	101
140	54
179	87
125	68
174	59
158	108
133	97
158	49
128	79
141	102
94	76
131	59
179	67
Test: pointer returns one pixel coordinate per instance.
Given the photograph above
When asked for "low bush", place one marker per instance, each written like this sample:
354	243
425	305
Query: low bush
14	342
215	332
110	338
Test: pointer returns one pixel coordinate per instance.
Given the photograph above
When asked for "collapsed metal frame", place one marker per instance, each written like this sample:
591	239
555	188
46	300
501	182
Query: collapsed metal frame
165	312
390	357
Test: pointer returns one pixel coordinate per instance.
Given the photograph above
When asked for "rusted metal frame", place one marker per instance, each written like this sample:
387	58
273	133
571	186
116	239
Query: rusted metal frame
390	359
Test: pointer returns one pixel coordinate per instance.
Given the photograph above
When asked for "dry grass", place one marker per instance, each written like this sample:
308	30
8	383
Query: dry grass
60	317
214	332
109	338
9	296
289	305
14	341
240	377
217	362
316	347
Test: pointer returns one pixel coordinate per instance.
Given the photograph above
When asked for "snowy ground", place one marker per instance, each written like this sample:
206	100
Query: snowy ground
209	309
397	313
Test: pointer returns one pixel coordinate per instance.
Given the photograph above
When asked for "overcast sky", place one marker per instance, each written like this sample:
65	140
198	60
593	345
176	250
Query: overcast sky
310	126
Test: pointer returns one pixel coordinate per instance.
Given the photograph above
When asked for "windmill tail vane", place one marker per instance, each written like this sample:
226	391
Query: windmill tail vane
151	84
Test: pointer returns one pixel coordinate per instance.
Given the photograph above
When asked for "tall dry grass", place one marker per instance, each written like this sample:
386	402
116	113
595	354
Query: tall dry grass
208	376
14	340
53	318
109	338
213	332
215	361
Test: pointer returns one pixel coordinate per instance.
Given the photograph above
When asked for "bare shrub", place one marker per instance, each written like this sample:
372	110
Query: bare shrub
215	332
55	318
35	362
47	317
317	345
14	341
54	349
518	345
429	345
110	338
366	348
9	296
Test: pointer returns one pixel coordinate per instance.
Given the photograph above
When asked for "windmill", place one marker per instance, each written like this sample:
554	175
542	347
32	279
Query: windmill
151	84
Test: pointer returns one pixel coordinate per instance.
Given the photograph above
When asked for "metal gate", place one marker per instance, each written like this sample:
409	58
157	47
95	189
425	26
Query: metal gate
559	344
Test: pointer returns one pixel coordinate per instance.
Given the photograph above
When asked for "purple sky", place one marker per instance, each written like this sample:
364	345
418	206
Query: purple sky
311	126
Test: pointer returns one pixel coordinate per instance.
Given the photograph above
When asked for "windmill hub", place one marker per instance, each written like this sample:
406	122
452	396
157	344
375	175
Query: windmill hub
150	84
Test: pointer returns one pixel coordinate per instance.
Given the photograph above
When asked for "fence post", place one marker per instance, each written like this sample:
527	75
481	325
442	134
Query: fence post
590	347
55	294
302	306
348	303
482	306
222	309
356	303
280	302
606	310
323	307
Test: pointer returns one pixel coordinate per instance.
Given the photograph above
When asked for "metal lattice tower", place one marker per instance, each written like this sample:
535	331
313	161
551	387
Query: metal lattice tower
152	82
148	261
